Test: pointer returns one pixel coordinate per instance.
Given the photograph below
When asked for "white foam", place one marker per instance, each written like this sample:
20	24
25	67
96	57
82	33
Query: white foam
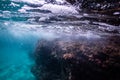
54	8
13	4
116	13
31	1
59	9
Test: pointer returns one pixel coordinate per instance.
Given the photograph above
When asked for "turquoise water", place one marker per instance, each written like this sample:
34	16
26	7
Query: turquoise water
16	50
24	22
18	41
20	29
16	44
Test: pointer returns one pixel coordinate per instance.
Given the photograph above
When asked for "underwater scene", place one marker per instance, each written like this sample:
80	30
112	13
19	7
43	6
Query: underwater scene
59	40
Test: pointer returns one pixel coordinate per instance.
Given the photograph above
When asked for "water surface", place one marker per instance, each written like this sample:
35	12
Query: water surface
24	22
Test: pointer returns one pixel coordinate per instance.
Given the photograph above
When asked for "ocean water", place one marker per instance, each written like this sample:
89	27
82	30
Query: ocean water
24	22
16	54
21	26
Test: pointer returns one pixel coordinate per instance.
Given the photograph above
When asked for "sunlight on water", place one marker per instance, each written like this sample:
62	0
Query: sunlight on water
15	55
17	45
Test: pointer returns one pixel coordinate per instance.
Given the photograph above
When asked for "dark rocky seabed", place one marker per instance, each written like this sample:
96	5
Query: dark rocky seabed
57	40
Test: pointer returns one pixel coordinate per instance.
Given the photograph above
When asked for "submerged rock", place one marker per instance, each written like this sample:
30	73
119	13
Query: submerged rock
76	56
71	58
